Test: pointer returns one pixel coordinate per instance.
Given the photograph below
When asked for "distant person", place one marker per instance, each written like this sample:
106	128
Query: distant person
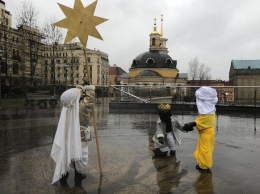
70	145
167	132
206	99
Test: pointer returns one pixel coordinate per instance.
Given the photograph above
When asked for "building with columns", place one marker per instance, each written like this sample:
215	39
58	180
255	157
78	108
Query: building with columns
65	65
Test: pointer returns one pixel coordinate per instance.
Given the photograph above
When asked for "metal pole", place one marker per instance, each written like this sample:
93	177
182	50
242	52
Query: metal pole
0	79
0	83
66	78
1	52
94	116
54	73
53	66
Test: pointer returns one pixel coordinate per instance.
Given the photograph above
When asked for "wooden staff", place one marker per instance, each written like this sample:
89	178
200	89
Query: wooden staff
94	116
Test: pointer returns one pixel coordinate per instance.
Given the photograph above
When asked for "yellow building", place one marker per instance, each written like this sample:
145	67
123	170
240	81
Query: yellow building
155	68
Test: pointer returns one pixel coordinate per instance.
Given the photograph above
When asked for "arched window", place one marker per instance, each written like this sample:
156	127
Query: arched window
153	41
168	61
135	63
150	61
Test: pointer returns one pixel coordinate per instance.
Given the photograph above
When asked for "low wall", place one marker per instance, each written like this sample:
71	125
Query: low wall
133	107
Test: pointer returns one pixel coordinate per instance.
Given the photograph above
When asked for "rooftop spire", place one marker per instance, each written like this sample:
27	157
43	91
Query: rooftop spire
161	26
154	27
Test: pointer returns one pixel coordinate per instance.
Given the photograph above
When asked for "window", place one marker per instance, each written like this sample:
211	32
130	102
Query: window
168	62
150	61
153	41
15	68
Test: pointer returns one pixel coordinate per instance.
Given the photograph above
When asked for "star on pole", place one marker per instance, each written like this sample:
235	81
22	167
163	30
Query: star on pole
80	22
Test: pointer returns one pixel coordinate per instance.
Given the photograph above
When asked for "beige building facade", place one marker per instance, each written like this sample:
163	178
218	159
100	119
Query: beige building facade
64	64
21	47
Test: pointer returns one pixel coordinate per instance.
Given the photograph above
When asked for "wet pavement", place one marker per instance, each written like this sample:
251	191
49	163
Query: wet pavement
126	154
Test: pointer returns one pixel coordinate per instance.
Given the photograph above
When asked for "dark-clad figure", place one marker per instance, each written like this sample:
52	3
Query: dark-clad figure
167	132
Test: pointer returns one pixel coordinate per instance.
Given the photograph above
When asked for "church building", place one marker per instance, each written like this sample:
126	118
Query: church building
156	68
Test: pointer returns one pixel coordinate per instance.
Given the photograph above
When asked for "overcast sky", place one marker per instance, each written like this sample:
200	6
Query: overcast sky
216	31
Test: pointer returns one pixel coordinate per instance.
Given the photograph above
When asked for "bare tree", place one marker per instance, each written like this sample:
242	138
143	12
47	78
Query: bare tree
27	17
193	68
27	14
204	72
198	71
53	34
53	37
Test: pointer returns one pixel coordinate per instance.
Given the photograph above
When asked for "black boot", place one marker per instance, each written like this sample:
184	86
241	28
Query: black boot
173	153
159	154
78	175
64	178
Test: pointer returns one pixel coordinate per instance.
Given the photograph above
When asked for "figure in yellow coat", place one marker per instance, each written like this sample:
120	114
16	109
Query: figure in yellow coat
206	99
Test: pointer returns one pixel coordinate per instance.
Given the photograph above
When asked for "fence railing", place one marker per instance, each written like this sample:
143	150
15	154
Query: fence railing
229	95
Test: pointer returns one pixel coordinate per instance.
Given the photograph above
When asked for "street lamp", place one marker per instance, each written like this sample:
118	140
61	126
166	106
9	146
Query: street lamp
54	73
33	65
1	54
66	73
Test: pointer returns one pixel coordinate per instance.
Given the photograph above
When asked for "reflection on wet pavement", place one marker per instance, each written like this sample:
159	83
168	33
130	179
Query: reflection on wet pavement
127	157
204	183
168	173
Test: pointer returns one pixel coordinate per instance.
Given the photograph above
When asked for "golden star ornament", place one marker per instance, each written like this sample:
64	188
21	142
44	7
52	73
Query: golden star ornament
80	22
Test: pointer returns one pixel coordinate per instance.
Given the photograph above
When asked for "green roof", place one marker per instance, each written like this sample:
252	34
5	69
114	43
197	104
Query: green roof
246	64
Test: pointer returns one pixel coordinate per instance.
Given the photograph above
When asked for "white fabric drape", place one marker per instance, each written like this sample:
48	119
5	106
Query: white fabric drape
81	164
206	99
67	142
